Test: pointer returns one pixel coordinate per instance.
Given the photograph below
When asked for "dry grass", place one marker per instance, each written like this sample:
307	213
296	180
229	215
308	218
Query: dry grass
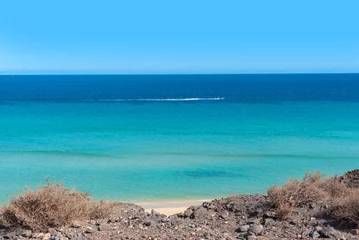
334	188
313	189
53	205
346	209
298	193
284	212
101	209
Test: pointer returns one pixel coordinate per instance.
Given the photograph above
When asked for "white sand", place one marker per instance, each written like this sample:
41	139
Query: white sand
170	207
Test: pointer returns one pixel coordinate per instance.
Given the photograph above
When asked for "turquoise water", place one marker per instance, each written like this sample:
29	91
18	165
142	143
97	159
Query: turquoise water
161	150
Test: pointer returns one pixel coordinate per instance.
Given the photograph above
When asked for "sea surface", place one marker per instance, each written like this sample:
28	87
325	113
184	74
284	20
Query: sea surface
161	137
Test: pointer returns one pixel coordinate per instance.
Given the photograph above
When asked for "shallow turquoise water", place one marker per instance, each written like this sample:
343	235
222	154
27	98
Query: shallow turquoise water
138	151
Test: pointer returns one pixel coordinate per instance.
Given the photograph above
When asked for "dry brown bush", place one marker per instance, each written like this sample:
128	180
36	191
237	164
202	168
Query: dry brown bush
53	205
299	193
346	209
313	189
334	188
101	209
284	212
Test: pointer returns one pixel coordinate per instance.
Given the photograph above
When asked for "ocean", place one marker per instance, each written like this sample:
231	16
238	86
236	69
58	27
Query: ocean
162	137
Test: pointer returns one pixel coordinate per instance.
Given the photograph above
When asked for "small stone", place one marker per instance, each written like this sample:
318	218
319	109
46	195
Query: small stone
354	231
70	235
102	227
150	223
318	228
257	229
269	214
324	234
46	236
224	215
243	228
305	234
89	230
188	213
175	220
165	219
37	235
76	225
57	236
314	235
155	213
26	233
251	237
268	220
312	205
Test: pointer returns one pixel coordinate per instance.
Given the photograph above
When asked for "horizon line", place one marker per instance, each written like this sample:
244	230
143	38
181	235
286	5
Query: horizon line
154	74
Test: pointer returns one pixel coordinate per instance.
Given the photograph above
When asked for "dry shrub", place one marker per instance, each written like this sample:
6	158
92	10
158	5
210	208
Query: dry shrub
284	212
101	209
335	188
298	193
313	189
346	209
53	205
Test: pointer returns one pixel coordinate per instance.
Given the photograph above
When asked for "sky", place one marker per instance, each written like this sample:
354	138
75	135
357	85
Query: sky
186	36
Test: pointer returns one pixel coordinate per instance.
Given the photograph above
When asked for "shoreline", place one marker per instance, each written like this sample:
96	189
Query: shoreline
169	207
253	216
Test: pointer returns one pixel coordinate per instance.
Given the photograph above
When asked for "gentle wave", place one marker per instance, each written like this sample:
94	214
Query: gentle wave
161	99
61	153
256	156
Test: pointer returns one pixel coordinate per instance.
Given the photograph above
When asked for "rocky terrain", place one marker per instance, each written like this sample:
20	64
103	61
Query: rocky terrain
250	217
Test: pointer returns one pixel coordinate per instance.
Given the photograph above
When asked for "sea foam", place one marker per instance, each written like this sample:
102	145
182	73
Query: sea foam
162	99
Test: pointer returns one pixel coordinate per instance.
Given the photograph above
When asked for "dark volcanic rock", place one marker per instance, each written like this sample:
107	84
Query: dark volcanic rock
199	213
187	213
351	179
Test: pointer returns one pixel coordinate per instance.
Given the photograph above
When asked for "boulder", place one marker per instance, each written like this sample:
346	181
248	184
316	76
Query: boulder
187	213
200	212
351	178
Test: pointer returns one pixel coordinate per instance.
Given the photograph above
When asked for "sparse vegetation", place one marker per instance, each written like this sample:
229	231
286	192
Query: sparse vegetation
312	190
313	198
346	210
53	205
299	193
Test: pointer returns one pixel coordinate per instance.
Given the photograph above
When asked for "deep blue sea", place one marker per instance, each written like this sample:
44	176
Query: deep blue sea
161	137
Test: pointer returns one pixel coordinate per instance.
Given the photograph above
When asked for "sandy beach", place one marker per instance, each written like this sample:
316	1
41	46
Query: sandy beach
170	207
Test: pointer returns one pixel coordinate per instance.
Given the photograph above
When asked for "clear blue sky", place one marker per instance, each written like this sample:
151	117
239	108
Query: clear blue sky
184	36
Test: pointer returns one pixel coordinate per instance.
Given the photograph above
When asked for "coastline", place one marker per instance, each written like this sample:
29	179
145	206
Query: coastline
170	207
253	216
